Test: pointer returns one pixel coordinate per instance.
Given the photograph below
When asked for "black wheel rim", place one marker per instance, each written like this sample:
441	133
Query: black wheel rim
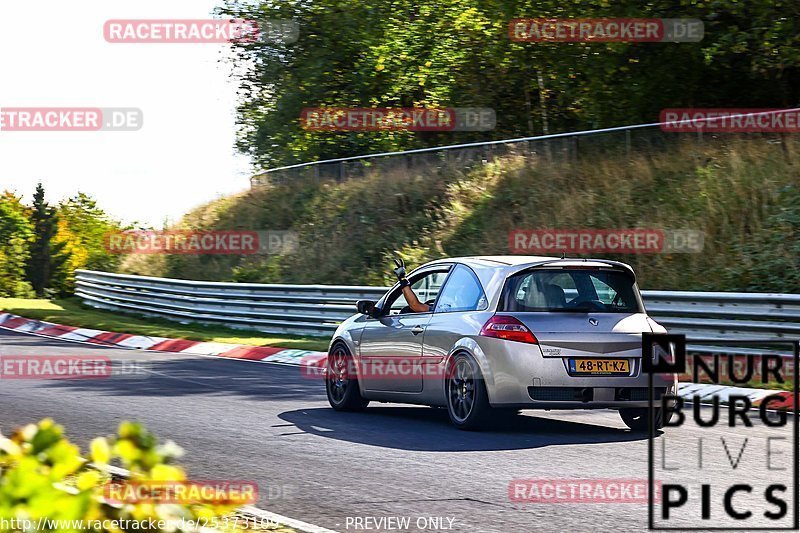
337	374
461	390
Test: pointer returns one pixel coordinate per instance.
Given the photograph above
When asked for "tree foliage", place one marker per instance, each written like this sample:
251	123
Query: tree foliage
16	235
82	231
457	53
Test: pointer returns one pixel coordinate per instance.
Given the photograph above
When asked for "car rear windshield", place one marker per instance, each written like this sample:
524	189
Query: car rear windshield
571	290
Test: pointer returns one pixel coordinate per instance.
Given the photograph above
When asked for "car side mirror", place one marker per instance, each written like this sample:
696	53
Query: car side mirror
366	307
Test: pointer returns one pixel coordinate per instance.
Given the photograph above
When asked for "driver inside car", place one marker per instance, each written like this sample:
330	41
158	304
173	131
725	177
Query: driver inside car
414	305
542	294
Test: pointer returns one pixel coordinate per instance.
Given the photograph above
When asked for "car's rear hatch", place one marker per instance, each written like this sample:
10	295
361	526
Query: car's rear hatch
563	333
578	310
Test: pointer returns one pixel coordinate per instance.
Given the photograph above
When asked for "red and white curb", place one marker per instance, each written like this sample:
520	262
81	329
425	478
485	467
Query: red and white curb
706	392
266	354
302	358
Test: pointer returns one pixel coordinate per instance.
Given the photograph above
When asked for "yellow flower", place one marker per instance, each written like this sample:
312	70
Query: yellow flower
101	452
167	473
88	479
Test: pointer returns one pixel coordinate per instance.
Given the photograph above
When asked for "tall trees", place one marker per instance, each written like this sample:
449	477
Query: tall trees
45	255
457	53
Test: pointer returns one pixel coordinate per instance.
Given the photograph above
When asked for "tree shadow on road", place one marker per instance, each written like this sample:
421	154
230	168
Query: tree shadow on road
171	376
427	429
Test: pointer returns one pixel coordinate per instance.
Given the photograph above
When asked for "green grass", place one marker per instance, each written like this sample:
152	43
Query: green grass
71	312
742	192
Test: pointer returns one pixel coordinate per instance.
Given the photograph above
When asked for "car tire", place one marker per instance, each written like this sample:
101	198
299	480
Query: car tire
341	382
465	391
636	418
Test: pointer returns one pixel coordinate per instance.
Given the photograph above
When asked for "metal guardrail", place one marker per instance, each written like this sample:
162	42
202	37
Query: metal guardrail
317	309
287	309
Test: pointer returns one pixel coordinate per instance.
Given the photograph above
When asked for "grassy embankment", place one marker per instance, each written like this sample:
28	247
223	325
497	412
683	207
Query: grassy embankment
743	193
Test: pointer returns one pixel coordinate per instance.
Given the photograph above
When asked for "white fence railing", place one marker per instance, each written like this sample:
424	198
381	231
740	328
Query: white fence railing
317	309
566	146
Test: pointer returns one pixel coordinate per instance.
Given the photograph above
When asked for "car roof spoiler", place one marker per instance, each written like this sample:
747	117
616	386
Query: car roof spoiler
554	262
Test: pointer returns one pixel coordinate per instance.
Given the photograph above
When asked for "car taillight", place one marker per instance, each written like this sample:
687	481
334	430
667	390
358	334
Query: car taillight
508	328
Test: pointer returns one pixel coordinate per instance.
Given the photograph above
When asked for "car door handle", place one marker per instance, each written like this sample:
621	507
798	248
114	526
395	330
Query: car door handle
416	330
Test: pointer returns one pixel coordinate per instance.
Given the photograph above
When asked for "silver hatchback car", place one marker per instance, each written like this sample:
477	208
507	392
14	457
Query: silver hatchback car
503	334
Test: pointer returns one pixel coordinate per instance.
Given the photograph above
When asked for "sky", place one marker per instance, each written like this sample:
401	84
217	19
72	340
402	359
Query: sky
54	55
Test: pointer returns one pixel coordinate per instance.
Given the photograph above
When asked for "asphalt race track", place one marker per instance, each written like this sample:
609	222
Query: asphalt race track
266	423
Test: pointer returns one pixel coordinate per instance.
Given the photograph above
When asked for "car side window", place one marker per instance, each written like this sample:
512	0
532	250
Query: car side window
462	292
426	288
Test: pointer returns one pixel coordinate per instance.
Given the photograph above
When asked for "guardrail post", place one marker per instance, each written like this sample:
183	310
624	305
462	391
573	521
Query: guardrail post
575	148
628	144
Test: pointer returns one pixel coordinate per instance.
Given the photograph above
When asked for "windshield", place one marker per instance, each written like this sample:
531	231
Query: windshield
571	290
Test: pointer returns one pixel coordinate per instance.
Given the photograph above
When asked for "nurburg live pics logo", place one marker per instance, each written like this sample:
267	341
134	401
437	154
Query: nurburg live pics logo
723	467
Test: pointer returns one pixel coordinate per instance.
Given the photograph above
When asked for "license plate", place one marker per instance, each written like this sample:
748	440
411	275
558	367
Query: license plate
600	367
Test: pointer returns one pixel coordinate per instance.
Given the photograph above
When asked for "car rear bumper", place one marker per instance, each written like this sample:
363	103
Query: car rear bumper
593	397
598	398
520	376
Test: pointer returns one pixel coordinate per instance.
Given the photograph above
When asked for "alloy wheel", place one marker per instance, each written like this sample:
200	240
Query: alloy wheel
461	389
